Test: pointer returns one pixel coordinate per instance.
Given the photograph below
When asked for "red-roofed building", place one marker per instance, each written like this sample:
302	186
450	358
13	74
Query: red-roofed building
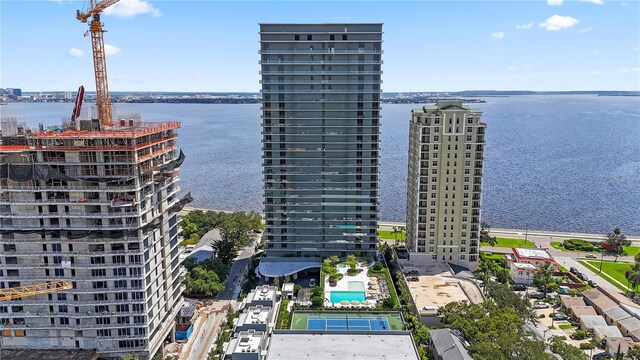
536	257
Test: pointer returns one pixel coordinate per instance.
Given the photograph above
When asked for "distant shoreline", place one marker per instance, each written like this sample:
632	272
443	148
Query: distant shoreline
532	232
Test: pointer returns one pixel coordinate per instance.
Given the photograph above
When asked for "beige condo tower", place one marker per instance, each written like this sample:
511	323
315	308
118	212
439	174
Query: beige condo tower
446	153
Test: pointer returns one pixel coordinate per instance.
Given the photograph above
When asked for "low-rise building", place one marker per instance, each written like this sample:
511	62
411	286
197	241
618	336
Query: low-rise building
522	273
588	322
445	344
258	318
323	345
579	311
615	314
619	345
245	345
536	257
569	302
599	300
629	326
604	332
264	295
287	291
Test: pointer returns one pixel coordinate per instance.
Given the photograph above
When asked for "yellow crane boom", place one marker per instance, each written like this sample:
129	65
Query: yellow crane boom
103	102
31	290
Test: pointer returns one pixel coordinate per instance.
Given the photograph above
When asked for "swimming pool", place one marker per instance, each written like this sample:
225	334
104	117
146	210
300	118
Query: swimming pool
339	296
342	266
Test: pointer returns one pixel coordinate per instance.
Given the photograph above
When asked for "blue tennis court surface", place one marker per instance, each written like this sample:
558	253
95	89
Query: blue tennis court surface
317	323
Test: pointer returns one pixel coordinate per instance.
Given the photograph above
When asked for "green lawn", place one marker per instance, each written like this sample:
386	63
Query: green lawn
626	250
566	326
299	320
615	270
388	234
507	242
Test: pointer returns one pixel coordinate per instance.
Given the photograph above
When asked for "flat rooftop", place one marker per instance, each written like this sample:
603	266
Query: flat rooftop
254	315
245	342
262	293
532	254
326	345
524	266
435	286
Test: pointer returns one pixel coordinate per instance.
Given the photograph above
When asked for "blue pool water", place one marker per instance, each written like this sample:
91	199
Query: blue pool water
342	266
339	296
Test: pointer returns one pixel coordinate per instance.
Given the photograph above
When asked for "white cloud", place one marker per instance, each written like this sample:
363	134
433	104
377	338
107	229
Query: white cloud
555	2
597	2
524	26
558	22
76	52
498	35
635	69
111	50
131	8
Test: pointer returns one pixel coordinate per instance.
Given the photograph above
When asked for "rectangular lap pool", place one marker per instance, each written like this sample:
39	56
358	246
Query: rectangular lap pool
346	323
339	296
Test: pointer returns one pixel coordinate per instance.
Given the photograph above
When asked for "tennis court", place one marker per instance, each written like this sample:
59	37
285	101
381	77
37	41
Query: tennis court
316	323
343	320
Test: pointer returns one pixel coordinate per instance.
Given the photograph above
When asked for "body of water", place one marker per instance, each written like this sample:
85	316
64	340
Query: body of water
563	163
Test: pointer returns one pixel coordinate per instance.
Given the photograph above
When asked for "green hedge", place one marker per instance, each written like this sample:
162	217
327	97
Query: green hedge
578	244
283	316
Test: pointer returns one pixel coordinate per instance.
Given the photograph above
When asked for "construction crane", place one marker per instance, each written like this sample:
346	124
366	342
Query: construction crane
103	103
32	290
77	106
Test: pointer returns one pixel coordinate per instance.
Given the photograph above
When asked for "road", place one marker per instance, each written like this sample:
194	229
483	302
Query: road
205	335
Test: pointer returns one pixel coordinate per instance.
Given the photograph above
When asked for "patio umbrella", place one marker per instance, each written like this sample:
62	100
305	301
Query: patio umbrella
355	302
344	302
366	302
373	287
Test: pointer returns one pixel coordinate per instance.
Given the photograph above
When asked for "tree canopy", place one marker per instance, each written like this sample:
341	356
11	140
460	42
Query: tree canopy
617	239
543	279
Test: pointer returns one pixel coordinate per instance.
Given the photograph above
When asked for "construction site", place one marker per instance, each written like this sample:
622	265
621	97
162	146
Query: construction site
88	228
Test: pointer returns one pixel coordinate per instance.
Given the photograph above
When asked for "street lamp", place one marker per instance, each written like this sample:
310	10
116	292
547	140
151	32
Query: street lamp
601	257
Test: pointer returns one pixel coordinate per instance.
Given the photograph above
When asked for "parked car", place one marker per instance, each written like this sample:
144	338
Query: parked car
574	271
559	316
600	356
592	284
536	295
493	279
583	277
479	282
590	256
312	282
518	287
541	305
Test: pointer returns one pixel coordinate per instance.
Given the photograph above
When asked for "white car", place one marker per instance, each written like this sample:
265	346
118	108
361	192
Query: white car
541	305
590	256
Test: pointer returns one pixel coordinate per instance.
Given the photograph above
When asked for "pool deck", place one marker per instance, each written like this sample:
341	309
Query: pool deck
343	284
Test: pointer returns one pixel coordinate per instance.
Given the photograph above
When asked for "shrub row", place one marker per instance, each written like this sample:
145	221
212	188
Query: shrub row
283	316
578	244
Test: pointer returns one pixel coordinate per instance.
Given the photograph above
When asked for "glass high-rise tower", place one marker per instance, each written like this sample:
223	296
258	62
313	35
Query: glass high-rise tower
321	136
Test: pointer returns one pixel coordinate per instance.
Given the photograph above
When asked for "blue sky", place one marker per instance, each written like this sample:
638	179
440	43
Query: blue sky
428	45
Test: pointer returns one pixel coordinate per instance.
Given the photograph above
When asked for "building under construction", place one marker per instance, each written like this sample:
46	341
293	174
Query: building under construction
95	206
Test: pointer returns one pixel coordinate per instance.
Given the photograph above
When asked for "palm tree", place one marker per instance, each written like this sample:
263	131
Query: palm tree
484	234
395	234
617	239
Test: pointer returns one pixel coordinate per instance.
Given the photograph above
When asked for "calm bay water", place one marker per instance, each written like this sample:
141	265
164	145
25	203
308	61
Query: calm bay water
565	163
